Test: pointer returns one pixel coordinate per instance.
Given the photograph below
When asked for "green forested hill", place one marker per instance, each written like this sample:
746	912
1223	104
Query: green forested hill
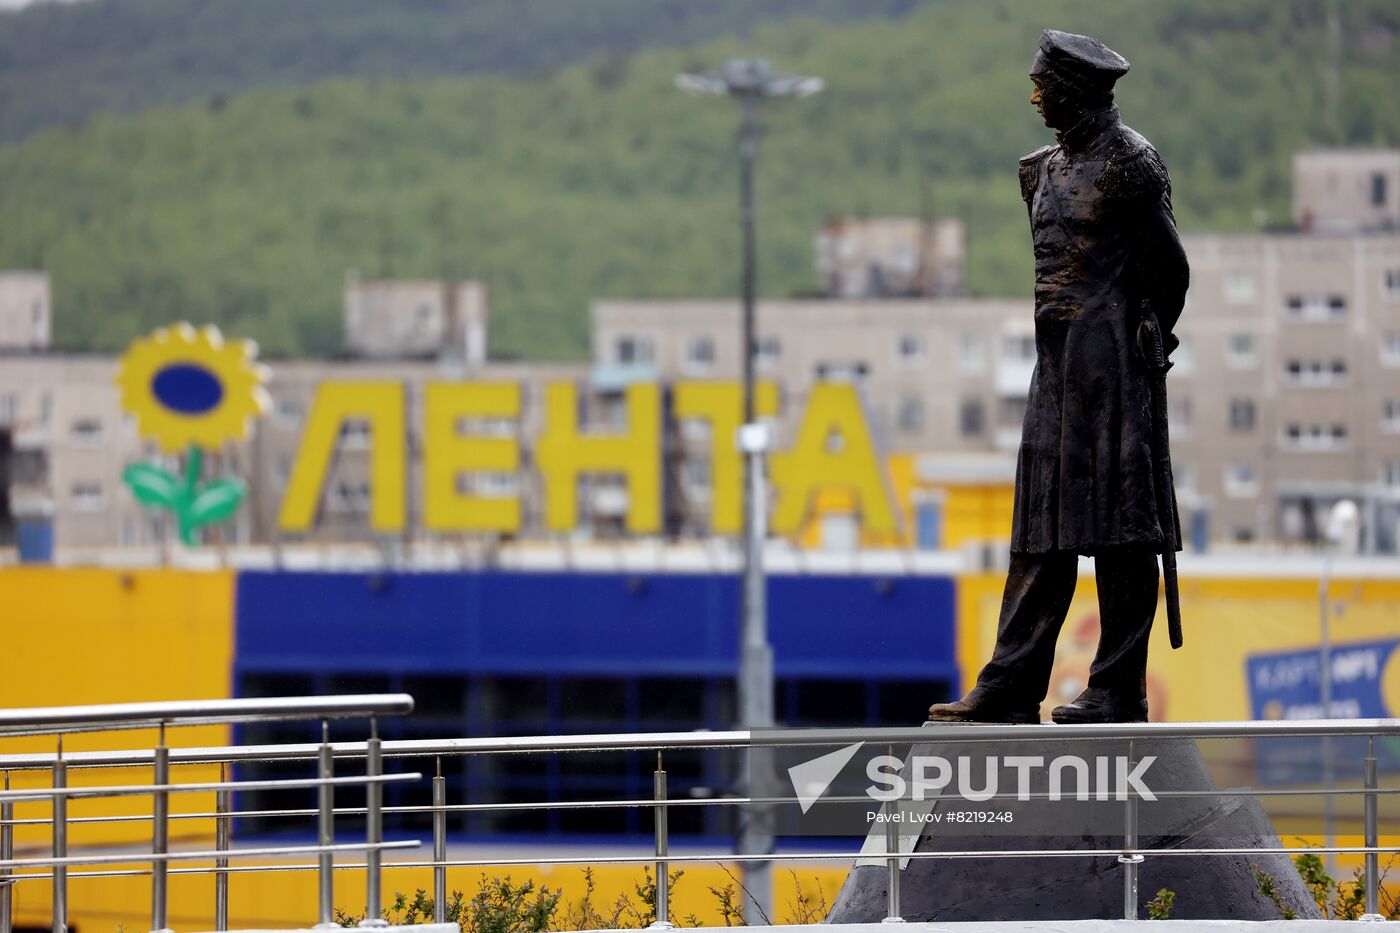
60	62
601	179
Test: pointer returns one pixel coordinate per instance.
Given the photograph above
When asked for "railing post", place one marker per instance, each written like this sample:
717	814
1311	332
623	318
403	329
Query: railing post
222	807
374	828
439	846
893	912
160	837
1373	910
663	847
1130	860
7	852
325	832
60	843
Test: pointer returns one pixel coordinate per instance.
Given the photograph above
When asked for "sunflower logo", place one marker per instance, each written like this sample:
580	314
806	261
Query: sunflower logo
190	389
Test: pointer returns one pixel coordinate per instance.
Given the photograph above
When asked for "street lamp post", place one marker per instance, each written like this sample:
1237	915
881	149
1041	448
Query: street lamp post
750	81
1341	534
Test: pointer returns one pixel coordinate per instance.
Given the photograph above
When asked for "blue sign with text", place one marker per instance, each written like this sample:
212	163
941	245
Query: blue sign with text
1288	685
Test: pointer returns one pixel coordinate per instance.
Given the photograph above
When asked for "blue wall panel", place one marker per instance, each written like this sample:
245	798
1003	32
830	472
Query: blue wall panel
580	623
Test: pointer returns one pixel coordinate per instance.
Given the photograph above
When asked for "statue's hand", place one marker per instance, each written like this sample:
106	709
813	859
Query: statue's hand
1152	347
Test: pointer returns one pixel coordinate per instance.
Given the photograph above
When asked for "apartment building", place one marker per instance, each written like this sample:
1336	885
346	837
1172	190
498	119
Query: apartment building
1285	395
25	311
892	257
65	440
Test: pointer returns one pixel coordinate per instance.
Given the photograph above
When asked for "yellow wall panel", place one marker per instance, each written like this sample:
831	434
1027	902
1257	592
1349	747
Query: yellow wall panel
76	636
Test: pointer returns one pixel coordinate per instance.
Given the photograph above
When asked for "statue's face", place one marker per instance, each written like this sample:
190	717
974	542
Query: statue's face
1050	103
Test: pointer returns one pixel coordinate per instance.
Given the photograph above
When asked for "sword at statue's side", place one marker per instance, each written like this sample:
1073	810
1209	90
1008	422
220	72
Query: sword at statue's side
1162	468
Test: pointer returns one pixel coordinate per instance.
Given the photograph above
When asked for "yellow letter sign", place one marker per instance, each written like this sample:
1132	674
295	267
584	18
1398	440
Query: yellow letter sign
564	454
447	453
379	403
722	405
832	409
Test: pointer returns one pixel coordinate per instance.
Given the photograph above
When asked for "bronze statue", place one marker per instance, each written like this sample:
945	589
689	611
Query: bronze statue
1093	475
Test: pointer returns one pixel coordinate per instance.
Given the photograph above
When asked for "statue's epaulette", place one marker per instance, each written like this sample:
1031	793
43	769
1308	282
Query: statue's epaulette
1137	174
1030	170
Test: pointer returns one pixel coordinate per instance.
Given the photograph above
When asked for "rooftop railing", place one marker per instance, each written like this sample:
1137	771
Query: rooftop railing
375	752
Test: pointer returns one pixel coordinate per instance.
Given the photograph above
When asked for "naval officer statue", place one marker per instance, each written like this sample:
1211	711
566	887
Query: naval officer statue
1093	475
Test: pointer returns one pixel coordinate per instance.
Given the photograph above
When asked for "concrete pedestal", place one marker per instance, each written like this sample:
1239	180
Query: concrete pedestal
1020	888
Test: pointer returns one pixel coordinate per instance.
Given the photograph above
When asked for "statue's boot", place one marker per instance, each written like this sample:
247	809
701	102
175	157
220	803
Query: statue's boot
980	706
1098	705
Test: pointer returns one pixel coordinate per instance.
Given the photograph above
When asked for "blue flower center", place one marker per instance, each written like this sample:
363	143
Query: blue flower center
187	388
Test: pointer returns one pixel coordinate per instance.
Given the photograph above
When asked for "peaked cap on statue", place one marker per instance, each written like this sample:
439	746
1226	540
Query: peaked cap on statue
1080	60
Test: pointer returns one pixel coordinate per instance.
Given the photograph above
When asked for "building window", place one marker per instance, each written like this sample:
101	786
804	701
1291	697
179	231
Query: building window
972	354
841	371
1391	285
282	470
353	497
496	484
1241	414
1184	476
696	430
1179	414
1390	473
1020	347
1390	349
355	433
1390	416
87	497
423	318
46	408
1241	288
910	415
1314	373
630	350
1184	357
9	408
972	417
1378	190
700	355
1316	307
1241	480
87	431
1242	534
494	427
911	348
1241	351
289	411
767	351
1315	436
696	474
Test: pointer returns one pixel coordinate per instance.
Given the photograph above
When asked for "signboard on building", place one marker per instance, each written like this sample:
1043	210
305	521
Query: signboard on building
833	447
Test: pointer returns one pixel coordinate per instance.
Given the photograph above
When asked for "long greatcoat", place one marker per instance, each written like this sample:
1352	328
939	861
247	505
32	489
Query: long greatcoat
1107	256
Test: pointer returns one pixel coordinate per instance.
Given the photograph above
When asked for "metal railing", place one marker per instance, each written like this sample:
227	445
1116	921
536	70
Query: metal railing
60	721
1130	855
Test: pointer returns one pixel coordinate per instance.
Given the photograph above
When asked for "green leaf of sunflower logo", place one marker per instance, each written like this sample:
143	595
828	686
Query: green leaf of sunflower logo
190	390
